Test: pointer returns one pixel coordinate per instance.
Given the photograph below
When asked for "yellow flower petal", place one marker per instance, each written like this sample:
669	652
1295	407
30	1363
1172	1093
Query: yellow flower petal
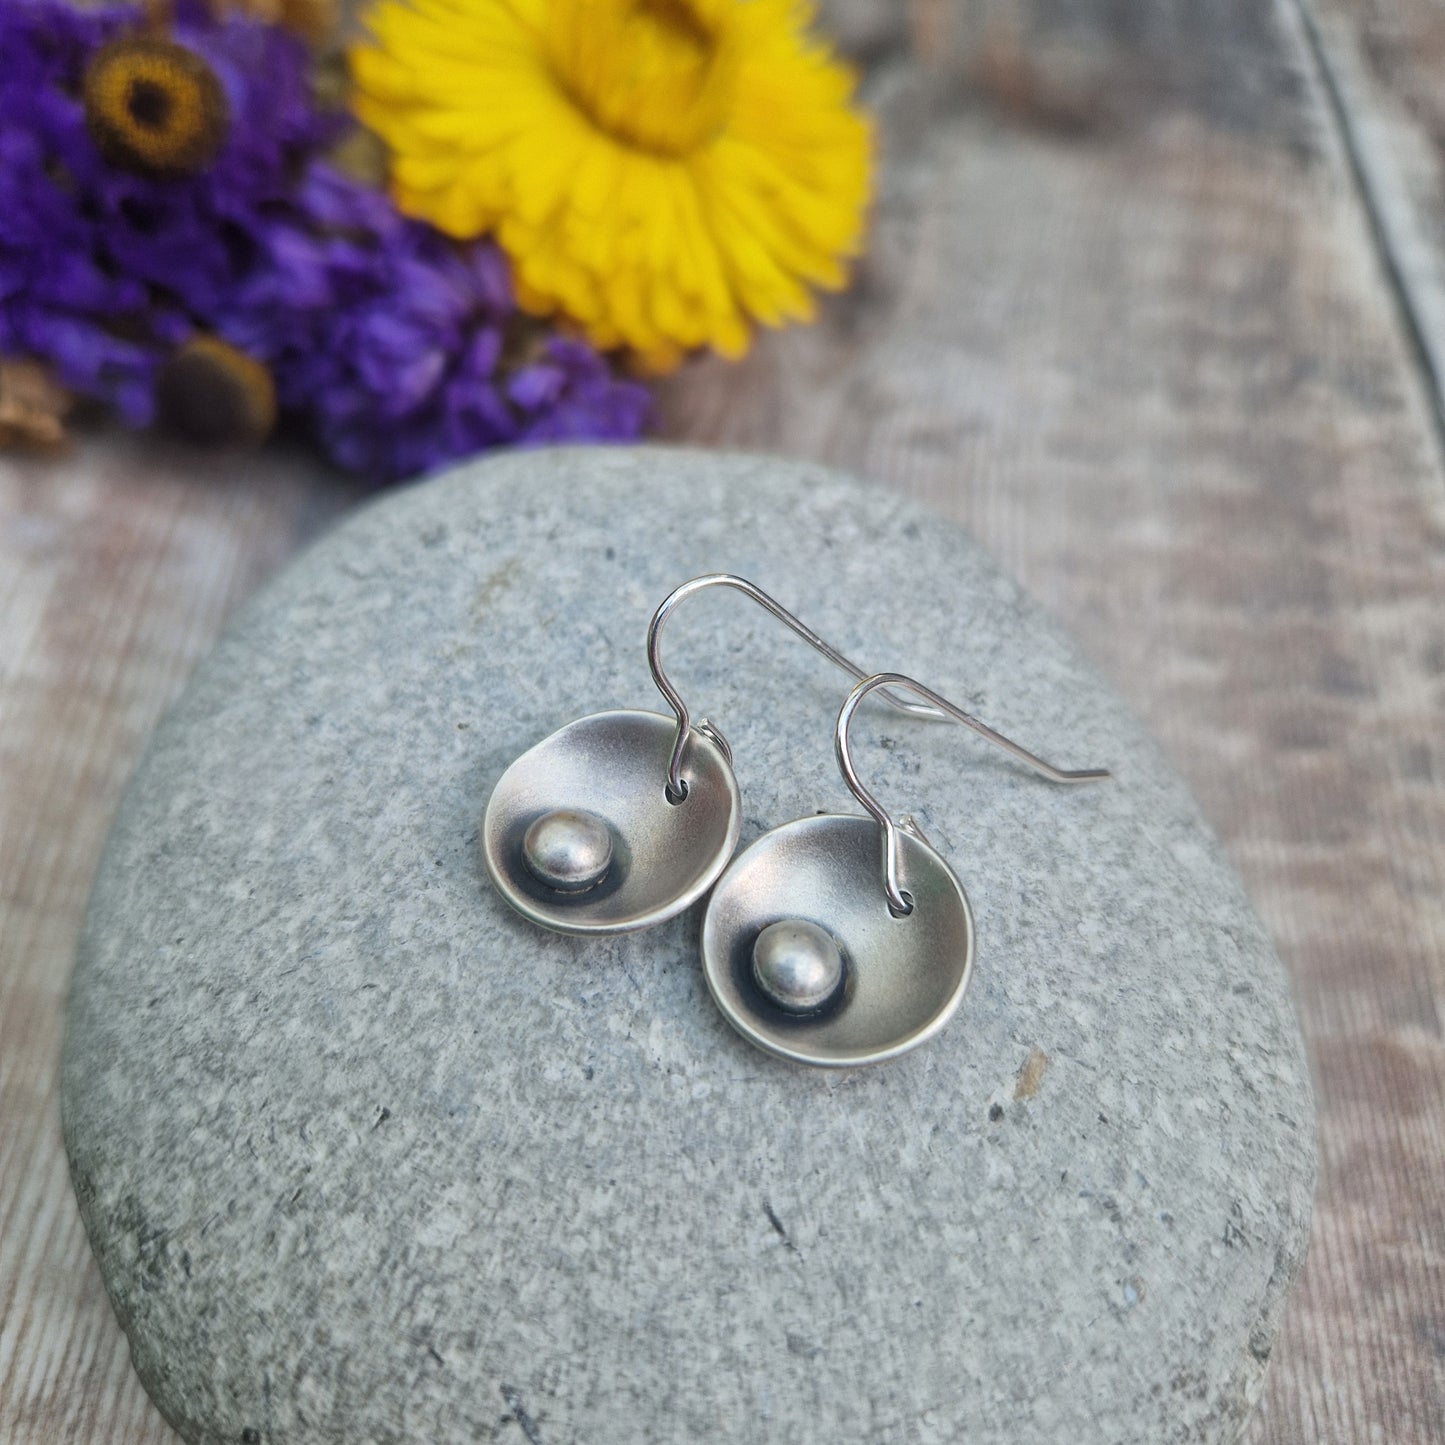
664	172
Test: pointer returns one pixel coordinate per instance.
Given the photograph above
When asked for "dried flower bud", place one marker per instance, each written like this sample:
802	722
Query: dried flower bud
152	105
213	394
32	406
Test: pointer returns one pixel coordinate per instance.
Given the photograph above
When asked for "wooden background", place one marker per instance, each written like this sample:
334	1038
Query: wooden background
1156	306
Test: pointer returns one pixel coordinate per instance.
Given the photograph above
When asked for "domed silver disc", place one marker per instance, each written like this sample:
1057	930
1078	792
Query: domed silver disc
797	966
600	778
904	978
568	849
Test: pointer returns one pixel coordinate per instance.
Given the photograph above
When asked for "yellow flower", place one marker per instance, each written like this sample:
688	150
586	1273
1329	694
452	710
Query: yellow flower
661	171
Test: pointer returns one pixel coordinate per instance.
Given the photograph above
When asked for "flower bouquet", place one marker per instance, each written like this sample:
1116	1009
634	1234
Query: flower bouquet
575	194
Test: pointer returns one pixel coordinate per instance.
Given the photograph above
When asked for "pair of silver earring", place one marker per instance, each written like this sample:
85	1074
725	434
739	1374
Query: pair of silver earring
813	949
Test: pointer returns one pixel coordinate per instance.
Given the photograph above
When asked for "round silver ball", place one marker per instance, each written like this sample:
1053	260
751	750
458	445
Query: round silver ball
797	965
568	849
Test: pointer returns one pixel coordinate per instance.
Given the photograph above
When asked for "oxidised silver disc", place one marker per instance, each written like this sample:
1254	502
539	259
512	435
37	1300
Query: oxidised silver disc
613	767
905	976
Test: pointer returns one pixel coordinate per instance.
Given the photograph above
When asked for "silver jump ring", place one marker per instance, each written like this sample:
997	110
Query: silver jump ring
898	900
676	787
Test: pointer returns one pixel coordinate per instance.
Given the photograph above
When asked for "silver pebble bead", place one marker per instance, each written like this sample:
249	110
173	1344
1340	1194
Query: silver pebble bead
568	849
797	965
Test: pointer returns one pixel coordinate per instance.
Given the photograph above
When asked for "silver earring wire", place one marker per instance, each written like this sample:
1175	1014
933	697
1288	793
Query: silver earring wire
898	901
676	787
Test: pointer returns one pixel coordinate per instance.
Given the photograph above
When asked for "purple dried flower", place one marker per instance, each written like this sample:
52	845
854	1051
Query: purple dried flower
393	342
102	268
391	345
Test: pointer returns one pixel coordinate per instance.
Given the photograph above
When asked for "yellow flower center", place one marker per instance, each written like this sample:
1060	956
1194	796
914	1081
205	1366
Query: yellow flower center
155	106
658	75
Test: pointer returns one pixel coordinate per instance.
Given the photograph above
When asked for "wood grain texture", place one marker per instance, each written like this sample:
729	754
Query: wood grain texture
1125	316
1383	63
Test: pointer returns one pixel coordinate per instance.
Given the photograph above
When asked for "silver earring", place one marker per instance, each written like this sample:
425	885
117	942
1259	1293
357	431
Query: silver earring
623	819
815	957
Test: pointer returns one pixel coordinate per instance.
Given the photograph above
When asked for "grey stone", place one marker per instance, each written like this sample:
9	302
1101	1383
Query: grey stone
365	1157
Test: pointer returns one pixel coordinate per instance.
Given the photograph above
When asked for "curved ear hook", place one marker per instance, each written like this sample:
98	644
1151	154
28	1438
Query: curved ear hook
676	788
898	901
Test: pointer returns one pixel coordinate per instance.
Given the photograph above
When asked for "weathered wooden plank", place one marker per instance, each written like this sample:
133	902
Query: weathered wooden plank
1384	63
1124	317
